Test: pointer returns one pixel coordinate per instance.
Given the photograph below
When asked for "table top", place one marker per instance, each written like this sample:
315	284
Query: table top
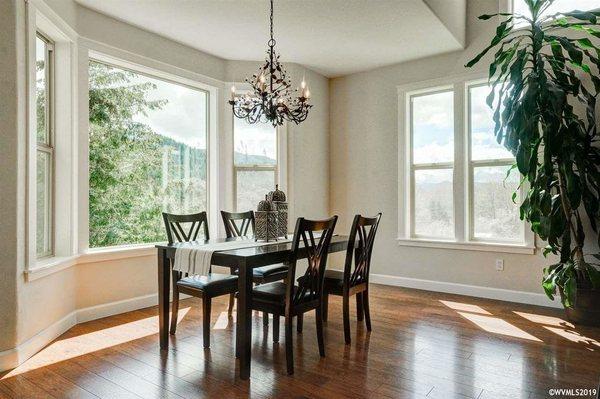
262	255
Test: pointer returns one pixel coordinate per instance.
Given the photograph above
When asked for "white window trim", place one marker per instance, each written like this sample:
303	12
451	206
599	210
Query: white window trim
462	183
122	251
281	172
64	141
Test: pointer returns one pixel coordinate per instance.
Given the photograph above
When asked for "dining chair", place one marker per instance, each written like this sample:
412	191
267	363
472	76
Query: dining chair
354	280
238	225
290	300
183	228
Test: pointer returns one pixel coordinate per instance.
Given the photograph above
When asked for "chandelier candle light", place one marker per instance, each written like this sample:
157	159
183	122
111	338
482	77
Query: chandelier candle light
272	98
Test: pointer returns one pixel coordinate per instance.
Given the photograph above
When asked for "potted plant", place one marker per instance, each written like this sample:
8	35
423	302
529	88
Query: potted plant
544	78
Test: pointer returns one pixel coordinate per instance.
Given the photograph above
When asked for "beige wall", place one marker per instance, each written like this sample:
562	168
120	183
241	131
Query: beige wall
364	168
11	58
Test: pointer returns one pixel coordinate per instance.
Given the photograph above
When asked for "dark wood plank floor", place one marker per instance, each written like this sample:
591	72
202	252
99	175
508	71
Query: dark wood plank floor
423	344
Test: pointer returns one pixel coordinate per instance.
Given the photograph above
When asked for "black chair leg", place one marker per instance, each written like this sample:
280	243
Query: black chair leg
265	317
346	311
174	305
299	323
325	305
275	328
359	307
320	340
231	304
289	348
365	296
206	302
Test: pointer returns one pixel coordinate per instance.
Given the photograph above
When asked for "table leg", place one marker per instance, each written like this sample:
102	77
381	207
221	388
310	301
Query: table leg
164	288
244	319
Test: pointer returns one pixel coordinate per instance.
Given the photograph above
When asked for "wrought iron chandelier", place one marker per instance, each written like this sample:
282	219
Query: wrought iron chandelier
272	99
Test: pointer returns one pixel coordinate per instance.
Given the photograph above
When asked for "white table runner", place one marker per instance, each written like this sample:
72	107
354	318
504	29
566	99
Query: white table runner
195	258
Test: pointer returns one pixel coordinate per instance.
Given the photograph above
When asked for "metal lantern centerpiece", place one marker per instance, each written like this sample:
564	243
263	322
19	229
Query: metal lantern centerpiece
281	206
265	217
272	98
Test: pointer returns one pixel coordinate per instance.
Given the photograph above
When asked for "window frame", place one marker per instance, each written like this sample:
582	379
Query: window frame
47	146
463	183
211	154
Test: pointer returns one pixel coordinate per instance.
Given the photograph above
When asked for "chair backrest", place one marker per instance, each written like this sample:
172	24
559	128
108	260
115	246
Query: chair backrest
310	285
238	224
176	226
360	247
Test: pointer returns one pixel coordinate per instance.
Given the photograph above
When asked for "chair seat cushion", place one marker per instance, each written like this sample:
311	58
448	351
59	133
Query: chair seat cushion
271	292
267	271
211	283
334	278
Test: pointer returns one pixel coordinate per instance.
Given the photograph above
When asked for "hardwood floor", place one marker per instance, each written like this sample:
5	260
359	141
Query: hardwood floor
423	344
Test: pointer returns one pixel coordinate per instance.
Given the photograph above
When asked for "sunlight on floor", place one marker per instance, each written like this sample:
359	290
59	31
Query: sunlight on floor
69	348
547	320
560	327
223	321
498	326
573	336
465	307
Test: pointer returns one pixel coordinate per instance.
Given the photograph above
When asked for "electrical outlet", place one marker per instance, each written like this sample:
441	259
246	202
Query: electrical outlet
500	265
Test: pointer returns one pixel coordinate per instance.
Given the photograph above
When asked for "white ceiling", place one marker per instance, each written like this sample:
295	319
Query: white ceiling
333	37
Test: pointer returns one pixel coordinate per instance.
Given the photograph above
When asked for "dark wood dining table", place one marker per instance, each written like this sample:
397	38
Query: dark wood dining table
244	259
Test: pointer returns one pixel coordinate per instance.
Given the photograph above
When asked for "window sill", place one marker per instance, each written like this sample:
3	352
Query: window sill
45	267
115	253
468	246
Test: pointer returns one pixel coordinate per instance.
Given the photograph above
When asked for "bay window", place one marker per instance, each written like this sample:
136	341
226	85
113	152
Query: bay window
456	187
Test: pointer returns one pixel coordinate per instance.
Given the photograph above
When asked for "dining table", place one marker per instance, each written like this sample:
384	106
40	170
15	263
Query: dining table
242	259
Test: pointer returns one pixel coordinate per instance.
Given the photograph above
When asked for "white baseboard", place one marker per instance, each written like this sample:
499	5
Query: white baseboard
11	358
530	298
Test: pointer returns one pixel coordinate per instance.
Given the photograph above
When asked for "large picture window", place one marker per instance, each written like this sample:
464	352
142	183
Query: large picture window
147	154
44	96
255	162
458	186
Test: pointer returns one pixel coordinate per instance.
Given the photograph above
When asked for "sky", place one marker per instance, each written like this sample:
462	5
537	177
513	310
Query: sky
433	128
183	118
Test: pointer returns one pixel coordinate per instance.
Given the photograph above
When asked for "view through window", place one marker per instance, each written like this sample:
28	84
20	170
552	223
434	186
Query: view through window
491	215
147	154
255	162
44	148
432	127
494	214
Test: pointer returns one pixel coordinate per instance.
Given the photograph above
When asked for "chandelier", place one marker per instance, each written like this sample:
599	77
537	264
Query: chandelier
272	99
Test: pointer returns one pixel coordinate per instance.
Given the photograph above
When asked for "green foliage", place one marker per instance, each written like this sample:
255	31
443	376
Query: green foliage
547	84
135	173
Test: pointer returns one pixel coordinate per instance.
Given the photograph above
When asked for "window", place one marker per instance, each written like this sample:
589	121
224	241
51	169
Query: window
147	154
44	67
520	7
493	214
458	189
432	128
255	162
